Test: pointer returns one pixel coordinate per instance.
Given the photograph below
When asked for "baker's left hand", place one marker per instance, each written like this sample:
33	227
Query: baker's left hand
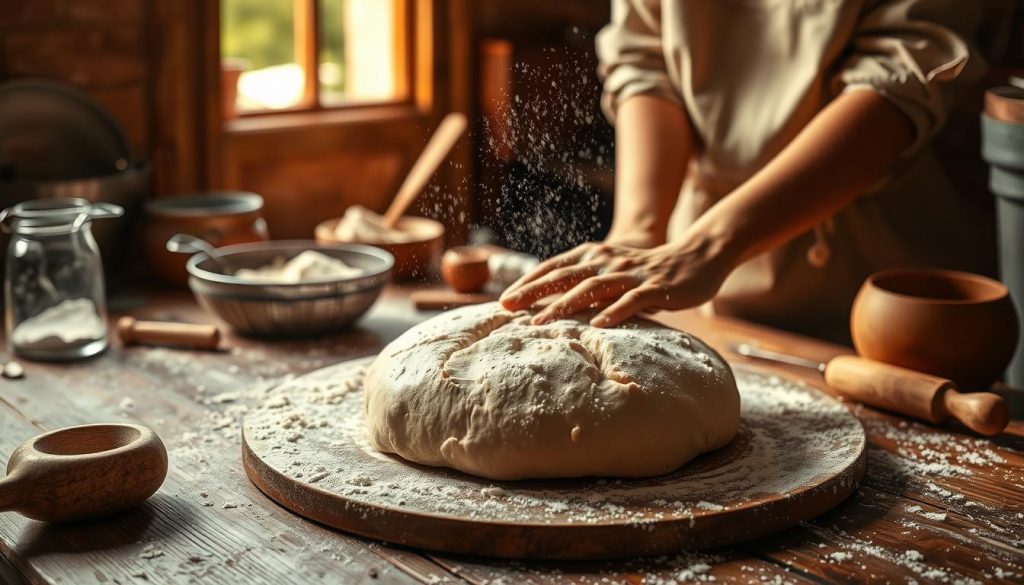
620	281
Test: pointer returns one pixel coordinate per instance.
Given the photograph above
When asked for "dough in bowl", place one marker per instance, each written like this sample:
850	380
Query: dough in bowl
481	390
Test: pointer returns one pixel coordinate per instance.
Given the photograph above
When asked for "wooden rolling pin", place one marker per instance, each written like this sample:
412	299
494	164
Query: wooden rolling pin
900	390
190	335
442	300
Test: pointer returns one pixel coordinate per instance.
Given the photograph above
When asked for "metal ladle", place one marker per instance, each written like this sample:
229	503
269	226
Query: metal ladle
187	244
83	472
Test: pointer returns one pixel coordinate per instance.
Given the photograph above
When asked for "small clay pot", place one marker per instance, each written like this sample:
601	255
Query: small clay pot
417	259
1005	104
956	325
222	218
464	269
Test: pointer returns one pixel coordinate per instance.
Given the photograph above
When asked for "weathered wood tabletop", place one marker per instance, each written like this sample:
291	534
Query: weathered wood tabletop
938	505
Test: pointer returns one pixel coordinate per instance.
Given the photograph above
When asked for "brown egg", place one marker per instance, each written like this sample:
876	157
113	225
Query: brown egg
464	268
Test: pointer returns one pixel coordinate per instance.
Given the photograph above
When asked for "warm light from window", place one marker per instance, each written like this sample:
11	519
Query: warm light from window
269	48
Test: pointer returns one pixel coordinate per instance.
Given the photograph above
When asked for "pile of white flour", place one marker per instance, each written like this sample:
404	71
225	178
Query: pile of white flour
309	266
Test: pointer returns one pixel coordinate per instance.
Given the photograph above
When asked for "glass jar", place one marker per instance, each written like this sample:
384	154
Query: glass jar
55	304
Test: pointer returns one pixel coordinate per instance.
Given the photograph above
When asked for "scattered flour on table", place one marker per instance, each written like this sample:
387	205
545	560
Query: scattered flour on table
151	552
840	556
937	516
929	452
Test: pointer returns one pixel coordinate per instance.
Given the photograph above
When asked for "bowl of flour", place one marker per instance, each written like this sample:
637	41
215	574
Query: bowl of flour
415	242
289	288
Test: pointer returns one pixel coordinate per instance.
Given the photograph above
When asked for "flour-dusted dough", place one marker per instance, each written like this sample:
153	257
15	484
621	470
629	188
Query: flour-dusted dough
481	390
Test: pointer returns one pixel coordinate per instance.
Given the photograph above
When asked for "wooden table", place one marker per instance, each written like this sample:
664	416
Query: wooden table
938	505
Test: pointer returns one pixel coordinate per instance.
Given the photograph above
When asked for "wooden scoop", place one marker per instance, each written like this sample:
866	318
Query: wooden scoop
83	472
441	143
907	392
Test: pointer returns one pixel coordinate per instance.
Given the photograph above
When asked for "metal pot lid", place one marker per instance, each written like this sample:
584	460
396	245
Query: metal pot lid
51	131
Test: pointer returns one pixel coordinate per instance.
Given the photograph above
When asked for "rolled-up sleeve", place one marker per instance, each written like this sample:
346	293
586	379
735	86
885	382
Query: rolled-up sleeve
917	54
631	54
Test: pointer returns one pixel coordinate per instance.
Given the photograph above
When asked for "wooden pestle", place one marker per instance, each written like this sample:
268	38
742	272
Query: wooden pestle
83	472
916	394
191	335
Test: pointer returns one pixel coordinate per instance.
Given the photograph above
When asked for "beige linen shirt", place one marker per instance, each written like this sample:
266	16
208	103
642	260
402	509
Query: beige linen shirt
750	74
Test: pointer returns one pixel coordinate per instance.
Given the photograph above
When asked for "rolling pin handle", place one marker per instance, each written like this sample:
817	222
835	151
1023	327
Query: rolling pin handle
132	331
125	327
983	412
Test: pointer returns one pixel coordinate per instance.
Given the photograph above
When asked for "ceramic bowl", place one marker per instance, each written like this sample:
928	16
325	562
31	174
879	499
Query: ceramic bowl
222	218
417	259
956	325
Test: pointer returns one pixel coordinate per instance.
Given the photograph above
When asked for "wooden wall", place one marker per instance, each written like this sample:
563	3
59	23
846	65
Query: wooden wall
140	59
99	46
154	64
144	61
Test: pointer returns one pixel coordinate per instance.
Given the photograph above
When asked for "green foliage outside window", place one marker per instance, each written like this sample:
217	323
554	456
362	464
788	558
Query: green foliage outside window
263	33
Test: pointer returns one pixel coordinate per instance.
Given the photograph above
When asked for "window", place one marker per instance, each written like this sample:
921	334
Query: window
312	54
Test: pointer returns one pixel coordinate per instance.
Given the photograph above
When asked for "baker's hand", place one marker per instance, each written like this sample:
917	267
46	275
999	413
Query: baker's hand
620	281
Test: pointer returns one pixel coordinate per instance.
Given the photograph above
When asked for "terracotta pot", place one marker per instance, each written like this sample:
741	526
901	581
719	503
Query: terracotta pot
952	324
464	268
417	259
222	218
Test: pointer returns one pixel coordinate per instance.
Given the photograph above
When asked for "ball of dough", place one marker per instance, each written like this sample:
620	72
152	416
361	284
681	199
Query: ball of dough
481	390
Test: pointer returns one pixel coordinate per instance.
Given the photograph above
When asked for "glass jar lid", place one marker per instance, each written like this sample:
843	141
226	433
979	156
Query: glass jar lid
52	216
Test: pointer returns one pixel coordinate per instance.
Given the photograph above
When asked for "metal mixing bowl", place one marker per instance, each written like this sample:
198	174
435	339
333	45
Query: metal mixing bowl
286	310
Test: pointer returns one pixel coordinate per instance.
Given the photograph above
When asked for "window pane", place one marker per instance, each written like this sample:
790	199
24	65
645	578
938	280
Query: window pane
258	41
358	50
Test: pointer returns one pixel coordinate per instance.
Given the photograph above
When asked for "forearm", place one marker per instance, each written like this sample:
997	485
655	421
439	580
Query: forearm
846	149
653	142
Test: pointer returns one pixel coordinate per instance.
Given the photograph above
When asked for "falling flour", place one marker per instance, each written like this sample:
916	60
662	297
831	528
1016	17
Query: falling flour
68	322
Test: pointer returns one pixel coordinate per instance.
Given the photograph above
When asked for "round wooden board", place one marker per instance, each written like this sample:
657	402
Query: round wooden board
798	453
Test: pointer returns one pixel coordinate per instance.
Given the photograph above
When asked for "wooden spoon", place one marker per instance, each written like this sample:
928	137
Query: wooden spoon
83	472
436	152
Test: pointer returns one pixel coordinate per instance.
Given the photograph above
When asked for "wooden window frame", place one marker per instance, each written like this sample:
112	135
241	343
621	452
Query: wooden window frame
417	85
307	52
195	148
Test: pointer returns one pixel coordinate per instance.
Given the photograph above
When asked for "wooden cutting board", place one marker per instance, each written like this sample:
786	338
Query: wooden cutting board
798	453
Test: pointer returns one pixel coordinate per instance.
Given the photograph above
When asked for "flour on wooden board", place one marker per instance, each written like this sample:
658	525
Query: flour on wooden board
791	437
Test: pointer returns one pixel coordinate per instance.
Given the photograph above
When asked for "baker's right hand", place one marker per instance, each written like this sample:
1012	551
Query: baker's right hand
620	281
